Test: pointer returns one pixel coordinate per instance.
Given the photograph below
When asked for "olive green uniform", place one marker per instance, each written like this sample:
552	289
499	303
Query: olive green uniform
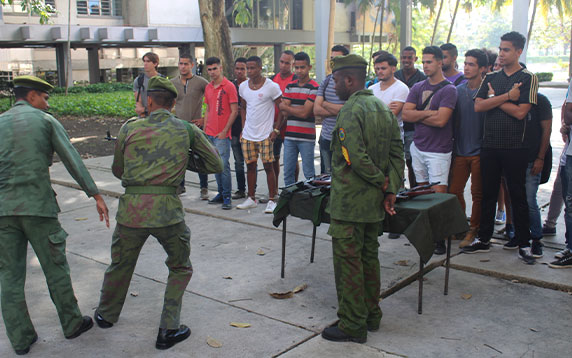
28	212
150	158
366	148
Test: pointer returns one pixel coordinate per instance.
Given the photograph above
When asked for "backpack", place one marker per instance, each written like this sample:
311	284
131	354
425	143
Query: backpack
459	79
140	81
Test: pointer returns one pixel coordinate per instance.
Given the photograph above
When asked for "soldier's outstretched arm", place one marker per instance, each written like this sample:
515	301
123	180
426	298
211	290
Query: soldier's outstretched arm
206	151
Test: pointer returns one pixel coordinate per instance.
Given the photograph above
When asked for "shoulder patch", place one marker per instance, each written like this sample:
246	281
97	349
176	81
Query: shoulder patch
346	155
342	134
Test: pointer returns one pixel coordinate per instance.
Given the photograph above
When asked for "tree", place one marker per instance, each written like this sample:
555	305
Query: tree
363	7
216	33
35	7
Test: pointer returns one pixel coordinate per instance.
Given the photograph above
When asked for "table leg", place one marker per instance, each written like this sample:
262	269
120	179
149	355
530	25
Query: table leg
447	264
283	247
420	278
313	244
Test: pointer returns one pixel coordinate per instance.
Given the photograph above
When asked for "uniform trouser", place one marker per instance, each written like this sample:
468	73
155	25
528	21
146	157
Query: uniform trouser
357	274
463	167
48	240
126	244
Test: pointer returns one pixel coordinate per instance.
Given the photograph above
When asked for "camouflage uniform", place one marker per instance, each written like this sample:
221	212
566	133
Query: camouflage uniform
366	148
150	159
28	212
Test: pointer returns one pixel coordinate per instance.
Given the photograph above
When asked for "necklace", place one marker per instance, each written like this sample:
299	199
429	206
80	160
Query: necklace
254	86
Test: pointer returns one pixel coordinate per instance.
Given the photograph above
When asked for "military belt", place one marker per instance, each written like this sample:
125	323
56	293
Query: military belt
151	189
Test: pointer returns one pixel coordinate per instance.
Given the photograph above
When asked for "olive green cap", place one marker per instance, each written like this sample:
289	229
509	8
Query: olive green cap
348	61
32	82
158	83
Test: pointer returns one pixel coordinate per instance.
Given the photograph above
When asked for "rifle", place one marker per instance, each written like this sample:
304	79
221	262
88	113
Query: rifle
416	191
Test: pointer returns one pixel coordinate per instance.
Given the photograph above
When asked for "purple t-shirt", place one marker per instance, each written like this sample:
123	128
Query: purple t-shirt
454	78
428	138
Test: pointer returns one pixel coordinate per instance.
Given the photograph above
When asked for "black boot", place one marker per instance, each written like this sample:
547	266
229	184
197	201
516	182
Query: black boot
26	350
169	337
101	322
337	335
86	325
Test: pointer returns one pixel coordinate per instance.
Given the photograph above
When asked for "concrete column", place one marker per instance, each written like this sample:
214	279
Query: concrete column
93	64
405	30
278	48
61	62
520	21
321	21
188	48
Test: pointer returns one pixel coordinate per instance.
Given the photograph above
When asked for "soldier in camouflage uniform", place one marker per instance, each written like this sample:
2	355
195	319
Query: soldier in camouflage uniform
367	171
29	211
150	158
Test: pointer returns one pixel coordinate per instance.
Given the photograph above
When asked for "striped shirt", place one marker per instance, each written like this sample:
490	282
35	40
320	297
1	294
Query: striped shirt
327	91
501	130
302	129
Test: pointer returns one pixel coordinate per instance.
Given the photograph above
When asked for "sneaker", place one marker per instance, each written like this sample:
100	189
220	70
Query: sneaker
512	244
249	203
440	248
216	200
469	238
393	235
270	207
564	262
204	194
560	254
548	231
500	218
509	231
477	246
239	194
525	254
226	204
536	249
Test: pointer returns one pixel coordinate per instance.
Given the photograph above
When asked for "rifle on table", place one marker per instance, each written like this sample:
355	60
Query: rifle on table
416	191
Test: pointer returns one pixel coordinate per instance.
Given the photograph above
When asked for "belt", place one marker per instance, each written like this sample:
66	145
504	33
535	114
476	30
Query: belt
151	189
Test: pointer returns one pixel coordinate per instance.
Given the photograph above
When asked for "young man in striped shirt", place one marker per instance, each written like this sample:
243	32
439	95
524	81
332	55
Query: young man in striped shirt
298	107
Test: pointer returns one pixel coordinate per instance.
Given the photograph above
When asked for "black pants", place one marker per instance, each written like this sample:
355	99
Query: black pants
512	163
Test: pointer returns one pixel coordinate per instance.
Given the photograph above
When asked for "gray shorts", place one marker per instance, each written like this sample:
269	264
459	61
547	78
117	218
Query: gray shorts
407	140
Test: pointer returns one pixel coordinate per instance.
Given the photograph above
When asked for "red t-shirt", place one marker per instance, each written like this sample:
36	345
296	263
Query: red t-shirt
219	100
282	82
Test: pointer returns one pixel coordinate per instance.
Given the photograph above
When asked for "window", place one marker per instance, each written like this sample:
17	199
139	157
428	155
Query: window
99	7
270	14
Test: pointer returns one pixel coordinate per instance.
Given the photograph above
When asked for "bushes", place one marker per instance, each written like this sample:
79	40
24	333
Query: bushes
97	88
544	76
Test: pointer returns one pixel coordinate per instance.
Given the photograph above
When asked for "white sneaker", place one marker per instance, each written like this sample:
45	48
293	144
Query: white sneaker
270	207
247	204
560	254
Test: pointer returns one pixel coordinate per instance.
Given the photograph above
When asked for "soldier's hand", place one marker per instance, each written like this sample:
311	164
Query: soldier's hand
389	203
101	209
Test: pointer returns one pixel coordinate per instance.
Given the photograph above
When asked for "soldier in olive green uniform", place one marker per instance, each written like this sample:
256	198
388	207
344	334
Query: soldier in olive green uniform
29	211
151	157
367	171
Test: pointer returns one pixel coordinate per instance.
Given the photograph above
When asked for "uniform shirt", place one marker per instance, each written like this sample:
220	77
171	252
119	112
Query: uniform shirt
366	148
29	139
418	76
153	151
219	100
188	105
468	124
533	135
327	91
503	131
301	129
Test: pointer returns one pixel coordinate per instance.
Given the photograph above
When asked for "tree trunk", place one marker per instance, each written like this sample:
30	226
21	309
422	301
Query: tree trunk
372	40
216	33
531	23
453	21
437	22
381	24
363	36
330	34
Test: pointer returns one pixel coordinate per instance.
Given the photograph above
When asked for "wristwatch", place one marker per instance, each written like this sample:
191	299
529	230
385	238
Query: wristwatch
276	130
491	95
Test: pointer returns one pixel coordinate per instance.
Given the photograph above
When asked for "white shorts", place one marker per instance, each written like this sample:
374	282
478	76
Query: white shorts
430	167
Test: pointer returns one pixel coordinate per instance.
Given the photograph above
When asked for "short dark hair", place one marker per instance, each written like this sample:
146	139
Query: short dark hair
480	55
358	73
516	38
409	48
212	61
387	57
339	48
163	98
288	52
449	47
435	51
21	92
153	57
186	55
256	59
378	53
241	60
491	56
302	56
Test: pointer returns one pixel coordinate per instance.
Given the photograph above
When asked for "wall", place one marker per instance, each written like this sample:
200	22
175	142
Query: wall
174	13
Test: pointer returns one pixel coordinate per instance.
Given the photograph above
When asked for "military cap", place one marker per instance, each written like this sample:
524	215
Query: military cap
158	83
348	61
32	82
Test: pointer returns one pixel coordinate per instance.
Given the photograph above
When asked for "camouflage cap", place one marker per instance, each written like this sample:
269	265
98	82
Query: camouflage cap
32	82
158	83
348	61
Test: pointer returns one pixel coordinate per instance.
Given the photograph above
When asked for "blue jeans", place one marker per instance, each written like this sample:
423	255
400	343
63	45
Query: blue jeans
223	180
325	156
291	150
532	183
238	163
566	177
204	180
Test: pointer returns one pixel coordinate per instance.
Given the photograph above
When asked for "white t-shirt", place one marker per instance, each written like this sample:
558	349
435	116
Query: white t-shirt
397	92
259	109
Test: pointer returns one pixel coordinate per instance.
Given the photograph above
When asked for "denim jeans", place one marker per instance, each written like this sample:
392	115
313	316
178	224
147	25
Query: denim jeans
325	156
291	150
532	183
204	180
238	163
566	177
223	180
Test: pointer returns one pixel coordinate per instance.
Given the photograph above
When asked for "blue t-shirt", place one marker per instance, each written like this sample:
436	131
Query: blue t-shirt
468	124
327	91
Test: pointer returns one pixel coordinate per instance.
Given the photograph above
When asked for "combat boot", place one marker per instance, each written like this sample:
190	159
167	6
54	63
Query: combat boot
169	337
